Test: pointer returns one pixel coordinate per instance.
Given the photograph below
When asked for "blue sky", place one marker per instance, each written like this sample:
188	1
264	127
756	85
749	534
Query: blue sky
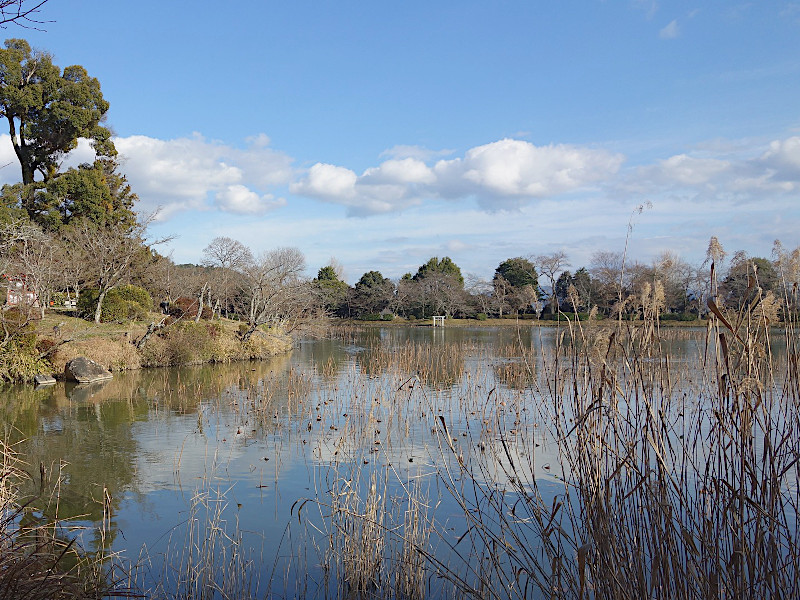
386	133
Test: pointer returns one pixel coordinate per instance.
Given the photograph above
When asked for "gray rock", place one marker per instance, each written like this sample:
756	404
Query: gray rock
42	379
84	370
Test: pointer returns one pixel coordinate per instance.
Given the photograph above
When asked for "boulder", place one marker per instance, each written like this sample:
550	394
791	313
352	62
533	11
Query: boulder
84	370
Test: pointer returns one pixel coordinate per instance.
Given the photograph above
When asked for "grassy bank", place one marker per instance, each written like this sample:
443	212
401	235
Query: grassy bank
60	337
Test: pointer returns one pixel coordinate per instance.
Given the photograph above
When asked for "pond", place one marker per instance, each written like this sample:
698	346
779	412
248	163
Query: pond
349	465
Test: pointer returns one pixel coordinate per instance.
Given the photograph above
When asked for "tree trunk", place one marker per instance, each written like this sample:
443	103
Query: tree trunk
200	304
151	329
99	310
249	333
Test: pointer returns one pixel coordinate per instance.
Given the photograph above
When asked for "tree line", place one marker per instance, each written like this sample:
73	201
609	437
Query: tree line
543	286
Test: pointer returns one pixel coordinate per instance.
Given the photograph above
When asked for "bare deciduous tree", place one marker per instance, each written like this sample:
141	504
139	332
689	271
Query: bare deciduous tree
231	257
480	290
20	12
276	291
551	265
108	253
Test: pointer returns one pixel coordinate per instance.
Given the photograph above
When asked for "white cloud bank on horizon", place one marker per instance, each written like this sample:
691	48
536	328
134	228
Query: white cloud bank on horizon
195	174
500	175
774	170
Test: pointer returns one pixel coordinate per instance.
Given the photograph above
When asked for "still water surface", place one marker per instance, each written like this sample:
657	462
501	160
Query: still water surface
257	438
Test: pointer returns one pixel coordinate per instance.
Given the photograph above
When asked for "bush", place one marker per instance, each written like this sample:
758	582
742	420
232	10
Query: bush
19	358
370	317
87	303
187	307
184	343
123	303
481	316
135	294
564	315
58	298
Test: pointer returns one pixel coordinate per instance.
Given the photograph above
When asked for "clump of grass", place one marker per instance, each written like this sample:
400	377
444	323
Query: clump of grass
114	354
210	561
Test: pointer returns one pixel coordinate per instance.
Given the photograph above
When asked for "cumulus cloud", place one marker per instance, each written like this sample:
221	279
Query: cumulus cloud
509	171
671	31
328	182
381	189
744	175
682	169
501	174
784	157
407	170
242	200
194	173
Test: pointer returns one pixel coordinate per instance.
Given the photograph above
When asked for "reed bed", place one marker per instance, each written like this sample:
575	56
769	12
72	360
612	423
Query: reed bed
600	464
668	491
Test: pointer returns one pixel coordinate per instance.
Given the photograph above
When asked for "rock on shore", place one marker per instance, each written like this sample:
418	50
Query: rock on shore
84	370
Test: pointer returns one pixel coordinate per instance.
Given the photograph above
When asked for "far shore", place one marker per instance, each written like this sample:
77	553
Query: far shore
505	322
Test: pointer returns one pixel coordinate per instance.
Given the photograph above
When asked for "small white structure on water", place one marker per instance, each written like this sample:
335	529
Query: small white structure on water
438	319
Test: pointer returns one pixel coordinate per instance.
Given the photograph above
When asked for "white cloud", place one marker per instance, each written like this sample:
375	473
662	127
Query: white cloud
456	246
407	170
501	174
671	31
784	156
242	200
682	169
378	190
185	173
327	182
514	169
744	175
9	165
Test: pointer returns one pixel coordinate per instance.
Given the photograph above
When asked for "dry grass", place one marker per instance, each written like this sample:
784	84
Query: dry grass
40	557
669	491
114	355
209	560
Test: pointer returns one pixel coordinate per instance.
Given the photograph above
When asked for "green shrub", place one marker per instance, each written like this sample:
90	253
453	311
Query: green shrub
565	315
58	298
87	303
123	303
19	357
135	294
481	316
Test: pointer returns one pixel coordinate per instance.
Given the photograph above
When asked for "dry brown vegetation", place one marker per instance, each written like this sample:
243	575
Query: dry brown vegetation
671	479
603	465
